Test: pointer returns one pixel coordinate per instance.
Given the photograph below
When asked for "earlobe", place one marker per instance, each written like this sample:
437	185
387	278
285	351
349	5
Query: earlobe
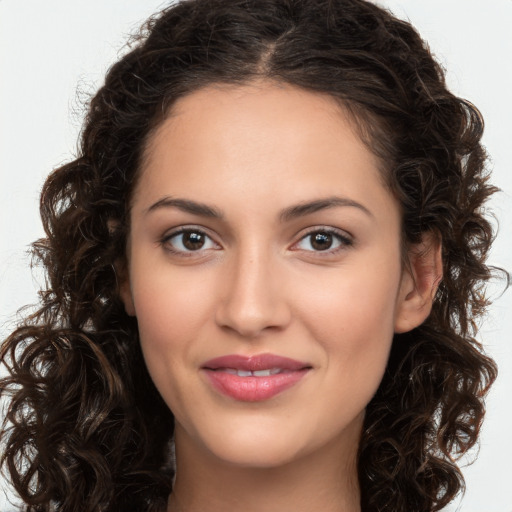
420	280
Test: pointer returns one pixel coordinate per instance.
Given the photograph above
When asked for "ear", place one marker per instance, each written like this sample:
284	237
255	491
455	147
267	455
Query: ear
421	276
124	286
122	273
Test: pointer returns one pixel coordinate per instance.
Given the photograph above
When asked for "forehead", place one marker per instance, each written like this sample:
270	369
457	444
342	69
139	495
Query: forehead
256	107
264	139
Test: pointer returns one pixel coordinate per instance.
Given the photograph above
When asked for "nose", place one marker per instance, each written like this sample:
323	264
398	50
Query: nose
254	297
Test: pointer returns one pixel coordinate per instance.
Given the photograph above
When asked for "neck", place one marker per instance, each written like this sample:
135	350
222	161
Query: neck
314	482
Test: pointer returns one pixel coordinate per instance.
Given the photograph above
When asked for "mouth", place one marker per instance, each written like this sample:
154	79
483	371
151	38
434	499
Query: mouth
256	378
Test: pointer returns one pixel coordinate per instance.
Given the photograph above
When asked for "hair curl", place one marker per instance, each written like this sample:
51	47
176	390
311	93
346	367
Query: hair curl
85	427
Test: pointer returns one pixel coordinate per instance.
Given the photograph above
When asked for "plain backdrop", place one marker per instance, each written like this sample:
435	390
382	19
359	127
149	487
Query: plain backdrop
55	52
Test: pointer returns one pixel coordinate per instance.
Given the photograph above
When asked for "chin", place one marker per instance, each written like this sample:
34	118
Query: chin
263	442
257	455
246	441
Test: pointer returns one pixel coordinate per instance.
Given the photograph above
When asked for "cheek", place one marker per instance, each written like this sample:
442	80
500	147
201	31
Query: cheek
171	310
352	317
353	300
170	307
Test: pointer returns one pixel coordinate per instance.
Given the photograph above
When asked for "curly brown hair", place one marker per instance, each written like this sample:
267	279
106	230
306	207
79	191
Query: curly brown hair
85	427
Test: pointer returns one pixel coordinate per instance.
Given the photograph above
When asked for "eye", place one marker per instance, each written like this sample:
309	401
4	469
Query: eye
323	240
188	240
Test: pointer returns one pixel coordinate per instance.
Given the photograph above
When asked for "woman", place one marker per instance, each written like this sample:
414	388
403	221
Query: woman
264	187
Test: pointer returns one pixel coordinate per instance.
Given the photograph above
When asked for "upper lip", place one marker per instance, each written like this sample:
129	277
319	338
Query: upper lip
255	363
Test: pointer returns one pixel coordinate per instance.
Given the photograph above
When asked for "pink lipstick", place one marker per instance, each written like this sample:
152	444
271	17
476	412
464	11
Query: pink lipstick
256	378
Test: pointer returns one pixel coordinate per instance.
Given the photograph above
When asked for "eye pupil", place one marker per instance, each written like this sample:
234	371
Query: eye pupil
193	240
321	241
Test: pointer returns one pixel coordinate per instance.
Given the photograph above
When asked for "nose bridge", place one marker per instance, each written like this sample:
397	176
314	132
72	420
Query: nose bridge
253	300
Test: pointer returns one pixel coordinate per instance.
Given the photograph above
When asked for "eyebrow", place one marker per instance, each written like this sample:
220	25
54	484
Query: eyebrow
187	206
290	213
303	209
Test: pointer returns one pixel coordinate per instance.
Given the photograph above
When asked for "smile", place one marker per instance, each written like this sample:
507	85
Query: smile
254	379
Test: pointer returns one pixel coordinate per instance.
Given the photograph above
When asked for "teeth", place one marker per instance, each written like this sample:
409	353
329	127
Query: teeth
256	373
266	373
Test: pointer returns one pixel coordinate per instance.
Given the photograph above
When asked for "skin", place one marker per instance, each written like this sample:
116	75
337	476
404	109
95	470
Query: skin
259	285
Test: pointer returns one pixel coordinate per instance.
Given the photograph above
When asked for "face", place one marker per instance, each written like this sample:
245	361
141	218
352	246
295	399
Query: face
264	271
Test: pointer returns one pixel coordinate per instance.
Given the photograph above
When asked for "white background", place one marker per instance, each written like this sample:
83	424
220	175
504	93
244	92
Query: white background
50	49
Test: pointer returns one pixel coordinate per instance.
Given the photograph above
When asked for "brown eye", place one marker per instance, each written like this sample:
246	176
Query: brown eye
193	240
321	241
189	240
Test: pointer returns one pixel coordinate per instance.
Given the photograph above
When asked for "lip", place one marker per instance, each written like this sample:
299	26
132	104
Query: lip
219	372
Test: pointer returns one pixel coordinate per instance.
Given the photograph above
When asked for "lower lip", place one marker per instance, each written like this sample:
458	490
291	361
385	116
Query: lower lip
253	389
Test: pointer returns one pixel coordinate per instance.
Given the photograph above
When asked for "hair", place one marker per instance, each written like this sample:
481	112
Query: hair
85	427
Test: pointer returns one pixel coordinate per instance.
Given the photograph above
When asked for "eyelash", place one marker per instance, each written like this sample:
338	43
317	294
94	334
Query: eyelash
343	240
